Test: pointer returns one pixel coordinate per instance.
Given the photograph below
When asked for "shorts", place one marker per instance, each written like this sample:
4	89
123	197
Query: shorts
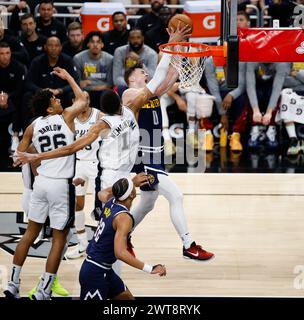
152	171
54	198
105	179
86	170
26	199
97	283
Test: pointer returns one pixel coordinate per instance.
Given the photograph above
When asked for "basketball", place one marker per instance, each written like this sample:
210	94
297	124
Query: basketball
182	19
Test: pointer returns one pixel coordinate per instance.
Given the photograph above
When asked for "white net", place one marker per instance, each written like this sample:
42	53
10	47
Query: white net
190	69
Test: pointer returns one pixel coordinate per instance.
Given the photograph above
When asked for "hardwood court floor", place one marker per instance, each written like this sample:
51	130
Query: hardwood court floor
253	223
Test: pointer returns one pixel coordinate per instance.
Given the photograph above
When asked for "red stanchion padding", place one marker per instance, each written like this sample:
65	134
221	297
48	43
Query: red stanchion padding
271	45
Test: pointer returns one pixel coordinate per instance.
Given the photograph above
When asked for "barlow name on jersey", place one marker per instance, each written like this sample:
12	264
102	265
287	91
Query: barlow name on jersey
53	127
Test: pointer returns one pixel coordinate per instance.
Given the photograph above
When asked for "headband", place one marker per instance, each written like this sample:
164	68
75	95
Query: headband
129	190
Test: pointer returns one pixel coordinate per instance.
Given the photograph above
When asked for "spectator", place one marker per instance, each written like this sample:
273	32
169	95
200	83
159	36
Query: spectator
159	35
12	75
47	25
119	35
127	56
283	11
236	98
151	20
33	42
264	82
94	67
17	49
14	22
40	75
74	44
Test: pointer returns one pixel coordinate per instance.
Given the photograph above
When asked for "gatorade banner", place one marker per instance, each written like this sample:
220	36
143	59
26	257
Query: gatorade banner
271	45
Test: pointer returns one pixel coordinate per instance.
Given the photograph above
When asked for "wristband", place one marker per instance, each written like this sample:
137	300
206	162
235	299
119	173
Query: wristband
147	268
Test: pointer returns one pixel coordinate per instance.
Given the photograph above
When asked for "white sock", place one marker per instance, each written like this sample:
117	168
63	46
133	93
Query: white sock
48	280
187	240
83	240
291	129
166	134
15	277
79	220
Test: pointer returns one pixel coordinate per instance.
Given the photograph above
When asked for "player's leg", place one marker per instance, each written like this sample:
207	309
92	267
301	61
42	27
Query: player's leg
31	233
117	288
191	138
173	194
144	206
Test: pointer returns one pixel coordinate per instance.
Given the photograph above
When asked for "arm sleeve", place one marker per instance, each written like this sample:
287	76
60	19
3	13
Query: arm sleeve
282	70
213	85
118	66
251	84
242	82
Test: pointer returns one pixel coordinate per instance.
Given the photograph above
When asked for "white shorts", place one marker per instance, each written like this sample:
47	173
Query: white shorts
26	198
86	170
54	198
108	177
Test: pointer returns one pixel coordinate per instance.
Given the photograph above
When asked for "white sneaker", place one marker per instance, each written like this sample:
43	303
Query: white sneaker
41	295
14	144
76	252
12	290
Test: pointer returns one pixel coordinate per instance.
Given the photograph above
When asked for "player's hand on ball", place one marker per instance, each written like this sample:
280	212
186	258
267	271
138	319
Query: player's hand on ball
181	33
140	180
159	269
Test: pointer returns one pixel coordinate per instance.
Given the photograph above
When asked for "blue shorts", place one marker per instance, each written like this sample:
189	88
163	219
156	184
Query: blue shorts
99	284
152	171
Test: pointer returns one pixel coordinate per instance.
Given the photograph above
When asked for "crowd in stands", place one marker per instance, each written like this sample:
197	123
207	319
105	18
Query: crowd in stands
37	42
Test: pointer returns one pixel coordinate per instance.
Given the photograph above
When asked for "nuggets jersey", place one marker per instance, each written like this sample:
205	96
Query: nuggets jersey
119	148
101	247
151	147
88	153
50	133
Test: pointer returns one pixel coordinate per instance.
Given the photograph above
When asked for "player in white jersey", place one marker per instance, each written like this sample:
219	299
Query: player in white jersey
29	171
86	172
53	193
118	128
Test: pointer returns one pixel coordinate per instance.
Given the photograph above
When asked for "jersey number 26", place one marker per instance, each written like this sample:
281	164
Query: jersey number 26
47	145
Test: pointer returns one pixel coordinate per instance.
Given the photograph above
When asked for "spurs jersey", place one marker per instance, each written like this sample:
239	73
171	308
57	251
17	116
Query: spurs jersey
50	133
89	153
119	149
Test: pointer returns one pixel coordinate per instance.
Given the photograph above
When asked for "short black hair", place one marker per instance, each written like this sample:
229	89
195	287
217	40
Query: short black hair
40	102
120	187
130	70
117	13
26	16
110	102
4	44
136	29
47	1
243	13
92	34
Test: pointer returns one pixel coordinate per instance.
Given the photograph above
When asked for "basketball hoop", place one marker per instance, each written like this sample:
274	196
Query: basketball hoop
189	58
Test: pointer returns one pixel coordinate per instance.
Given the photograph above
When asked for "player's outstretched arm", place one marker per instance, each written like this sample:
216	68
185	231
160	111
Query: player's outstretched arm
162	78
123	225
100	128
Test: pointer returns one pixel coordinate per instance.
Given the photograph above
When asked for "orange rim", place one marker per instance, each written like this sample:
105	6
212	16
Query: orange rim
215	51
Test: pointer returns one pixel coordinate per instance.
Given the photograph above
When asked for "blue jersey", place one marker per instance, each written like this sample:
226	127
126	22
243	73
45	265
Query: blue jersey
151	146
101	247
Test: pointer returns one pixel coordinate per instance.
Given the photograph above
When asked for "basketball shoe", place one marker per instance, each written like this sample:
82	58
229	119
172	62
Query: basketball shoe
12	290
41	295
76	252
57	288
196	252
